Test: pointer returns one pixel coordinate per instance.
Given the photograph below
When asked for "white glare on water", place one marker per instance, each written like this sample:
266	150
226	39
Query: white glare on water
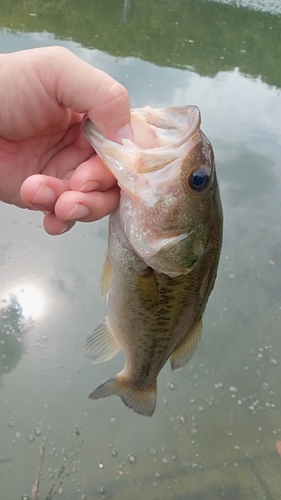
29	298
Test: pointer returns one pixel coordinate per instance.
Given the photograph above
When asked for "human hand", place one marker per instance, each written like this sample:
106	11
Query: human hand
46	162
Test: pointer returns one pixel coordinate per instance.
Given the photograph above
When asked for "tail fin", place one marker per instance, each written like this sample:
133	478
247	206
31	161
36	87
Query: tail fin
142	401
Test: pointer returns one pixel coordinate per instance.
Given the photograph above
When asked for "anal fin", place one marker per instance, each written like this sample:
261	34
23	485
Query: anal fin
184	351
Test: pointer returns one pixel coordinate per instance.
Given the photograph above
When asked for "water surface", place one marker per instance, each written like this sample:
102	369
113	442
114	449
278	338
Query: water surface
217	421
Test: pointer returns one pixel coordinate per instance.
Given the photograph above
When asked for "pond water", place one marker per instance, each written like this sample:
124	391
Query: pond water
214	432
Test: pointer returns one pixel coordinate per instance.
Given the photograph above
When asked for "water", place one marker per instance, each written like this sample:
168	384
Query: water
217	421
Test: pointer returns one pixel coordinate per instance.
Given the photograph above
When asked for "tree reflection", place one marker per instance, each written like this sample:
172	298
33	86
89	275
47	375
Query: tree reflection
208	36
13	327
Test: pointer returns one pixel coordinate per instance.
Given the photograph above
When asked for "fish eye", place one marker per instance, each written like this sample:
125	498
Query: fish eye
199	179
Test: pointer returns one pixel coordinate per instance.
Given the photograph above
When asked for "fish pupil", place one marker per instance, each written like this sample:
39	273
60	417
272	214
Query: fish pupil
199	179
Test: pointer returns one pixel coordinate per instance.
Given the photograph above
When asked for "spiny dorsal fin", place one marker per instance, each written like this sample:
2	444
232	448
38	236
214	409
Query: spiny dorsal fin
102	344
186	348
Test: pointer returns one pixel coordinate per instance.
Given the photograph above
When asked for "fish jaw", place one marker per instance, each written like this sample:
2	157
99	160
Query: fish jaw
164	135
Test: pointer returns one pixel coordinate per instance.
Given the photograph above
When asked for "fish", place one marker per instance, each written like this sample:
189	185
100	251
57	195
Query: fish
164	244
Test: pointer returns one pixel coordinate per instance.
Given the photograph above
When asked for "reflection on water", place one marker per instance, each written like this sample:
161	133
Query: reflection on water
29	300
12	332
204	35
272	6
126	10
21	306
217	423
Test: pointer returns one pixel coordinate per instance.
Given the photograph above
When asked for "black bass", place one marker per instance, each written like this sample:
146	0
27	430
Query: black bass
163	253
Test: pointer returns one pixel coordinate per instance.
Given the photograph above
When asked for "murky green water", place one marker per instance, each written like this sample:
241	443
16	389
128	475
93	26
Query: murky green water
217	421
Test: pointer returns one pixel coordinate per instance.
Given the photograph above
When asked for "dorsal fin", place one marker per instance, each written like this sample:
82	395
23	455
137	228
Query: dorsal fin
105	277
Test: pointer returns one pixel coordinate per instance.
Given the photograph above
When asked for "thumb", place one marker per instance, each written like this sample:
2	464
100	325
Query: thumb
83	88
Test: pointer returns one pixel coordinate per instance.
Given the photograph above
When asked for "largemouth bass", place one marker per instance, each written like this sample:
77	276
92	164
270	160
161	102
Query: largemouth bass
163	252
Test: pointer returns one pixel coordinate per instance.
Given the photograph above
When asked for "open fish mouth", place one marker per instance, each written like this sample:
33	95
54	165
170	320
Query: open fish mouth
160	136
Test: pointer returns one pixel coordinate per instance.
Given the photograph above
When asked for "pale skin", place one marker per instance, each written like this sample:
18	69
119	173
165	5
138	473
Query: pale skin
46	162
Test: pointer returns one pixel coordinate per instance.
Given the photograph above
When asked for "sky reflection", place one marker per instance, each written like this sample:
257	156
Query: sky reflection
272	6
29	298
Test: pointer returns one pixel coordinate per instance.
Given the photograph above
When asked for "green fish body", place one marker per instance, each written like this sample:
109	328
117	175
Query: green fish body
163	253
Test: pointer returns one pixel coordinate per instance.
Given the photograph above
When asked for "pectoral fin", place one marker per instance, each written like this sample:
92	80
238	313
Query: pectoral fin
102	344
186	348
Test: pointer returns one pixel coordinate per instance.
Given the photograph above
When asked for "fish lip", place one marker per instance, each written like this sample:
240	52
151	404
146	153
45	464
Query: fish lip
89	129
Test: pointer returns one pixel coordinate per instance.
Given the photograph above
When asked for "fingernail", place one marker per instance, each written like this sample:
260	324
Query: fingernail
44	196
78	212
124	133
64	229
90	185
